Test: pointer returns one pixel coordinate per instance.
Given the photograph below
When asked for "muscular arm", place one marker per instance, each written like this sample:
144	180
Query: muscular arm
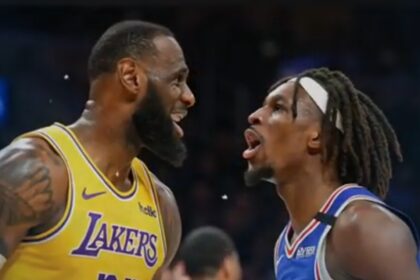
28	172
369	242
172	223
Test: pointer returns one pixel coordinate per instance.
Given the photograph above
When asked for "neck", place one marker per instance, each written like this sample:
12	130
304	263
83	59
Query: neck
108	142
305	193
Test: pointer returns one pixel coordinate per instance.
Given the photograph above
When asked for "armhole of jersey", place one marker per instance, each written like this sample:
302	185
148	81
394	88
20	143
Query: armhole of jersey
157	203
62	222
320	267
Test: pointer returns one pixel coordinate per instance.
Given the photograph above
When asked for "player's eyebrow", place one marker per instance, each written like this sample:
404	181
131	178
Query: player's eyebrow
274	98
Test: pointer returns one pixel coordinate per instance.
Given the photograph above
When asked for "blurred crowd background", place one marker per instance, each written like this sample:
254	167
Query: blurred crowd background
235	52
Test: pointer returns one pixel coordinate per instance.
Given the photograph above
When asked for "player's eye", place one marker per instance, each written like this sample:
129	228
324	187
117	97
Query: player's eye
278	107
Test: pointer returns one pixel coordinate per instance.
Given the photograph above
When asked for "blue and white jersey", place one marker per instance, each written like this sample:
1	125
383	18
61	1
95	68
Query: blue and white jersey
304	258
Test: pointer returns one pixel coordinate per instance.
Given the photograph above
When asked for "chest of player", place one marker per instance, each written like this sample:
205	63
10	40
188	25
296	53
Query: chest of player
103	234
103	225
300	259
107	222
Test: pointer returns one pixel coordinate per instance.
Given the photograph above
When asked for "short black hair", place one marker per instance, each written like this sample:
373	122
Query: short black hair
362	152
131	38
204	250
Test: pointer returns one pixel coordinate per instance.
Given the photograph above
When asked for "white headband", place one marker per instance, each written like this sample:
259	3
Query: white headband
320	96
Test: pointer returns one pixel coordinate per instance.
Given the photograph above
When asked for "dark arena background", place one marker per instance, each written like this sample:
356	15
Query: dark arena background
235	51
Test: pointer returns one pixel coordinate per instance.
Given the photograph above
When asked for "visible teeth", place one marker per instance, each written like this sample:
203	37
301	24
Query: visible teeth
177	116
176	119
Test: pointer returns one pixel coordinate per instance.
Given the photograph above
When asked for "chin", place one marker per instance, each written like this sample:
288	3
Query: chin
255	175
173	153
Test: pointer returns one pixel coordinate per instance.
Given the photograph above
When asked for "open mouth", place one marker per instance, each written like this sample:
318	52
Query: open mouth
179	131
254	141
176	118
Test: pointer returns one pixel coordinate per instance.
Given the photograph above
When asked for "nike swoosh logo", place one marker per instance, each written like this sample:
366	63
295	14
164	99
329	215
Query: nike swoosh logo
87	196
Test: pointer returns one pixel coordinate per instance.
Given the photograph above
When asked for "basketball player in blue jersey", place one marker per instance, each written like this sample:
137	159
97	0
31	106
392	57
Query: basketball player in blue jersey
327	147
75	202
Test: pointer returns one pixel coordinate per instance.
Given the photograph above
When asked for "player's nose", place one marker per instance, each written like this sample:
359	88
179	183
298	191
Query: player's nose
188	97
255	117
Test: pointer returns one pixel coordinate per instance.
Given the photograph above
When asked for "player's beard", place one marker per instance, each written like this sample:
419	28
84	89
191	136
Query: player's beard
254	175
156	130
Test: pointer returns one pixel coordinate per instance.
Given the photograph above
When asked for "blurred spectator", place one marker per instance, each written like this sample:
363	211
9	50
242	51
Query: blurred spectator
208	253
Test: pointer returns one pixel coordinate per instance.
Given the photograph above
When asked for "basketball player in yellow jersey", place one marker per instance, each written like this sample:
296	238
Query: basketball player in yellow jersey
75	202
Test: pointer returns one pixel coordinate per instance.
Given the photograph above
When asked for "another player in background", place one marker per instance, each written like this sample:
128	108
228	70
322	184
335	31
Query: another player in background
327	147
207	253
75	201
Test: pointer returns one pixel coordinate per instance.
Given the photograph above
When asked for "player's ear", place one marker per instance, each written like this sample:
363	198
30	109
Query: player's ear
132	77
224	273
314	141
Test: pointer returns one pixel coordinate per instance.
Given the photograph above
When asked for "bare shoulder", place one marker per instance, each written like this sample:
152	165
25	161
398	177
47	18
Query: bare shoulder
164	192
32	178
364	217
366	239
171	218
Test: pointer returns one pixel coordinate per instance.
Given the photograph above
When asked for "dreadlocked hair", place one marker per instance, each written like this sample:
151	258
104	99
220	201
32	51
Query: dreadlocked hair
362	151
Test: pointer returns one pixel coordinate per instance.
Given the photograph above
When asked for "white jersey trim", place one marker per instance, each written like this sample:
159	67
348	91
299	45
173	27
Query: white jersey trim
320	266
277	250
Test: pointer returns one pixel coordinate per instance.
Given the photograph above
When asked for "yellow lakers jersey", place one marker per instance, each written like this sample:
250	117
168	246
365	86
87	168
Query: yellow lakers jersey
104	234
